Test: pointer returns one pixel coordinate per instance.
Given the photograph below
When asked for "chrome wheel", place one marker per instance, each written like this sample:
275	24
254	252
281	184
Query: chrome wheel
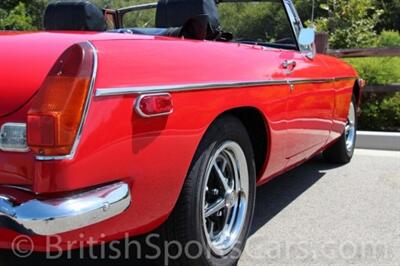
350	130
225	197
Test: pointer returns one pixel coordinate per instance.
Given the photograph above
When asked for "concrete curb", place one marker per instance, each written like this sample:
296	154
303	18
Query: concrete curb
378	140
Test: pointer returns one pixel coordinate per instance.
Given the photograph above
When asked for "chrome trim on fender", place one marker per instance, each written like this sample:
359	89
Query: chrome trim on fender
60	215
22	188
102	92
84	115
182	87
345	78
310	81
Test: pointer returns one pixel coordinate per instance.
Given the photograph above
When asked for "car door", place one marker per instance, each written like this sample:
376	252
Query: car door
310	105
311	100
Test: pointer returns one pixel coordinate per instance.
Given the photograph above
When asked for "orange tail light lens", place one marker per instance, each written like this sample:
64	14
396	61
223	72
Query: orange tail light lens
57	109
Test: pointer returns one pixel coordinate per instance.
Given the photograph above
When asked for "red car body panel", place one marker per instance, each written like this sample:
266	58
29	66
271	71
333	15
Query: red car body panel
153	155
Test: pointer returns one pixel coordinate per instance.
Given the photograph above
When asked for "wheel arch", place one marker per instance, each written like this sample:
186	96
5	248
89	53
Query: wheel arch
257	126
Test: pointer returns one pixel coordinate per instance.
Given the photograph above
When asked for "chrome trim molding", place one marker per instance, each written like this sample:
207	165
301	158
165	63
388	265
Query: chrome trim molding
17	187
345	78
140	113
84	115
61	215
182	87
102	92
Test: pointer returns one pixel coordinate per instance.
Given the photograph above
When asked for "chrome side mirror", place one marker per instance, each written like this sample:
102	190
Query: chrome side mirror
307	42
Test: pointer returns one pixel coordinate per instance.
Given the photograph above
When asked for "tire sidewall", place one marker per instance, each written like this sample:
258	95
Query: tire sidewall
351	153
225	129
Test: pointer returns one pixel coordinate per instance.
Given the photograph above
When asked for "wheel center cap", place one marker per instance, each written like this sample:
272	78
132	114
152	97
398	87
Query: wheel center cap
230	199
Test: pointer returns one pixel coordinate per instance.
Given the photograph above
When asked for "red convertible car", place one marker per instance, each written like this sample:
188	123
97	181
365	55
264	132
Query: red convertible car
110	129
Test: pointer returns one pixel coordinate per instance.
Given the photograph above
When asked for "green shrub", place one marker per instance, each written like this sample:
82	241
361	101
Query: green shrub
389	39
377	71
380	113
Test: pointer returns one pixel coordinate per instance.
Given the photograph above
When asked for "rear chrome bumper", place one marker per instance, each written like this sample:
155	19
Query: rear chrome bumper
64	214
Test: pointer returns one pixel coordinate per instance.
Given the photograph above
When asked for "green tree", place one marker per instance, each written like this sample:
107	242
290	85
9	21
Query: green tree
264	21
350	23
120	3
144	18
391	19
304	8
16	19
33	9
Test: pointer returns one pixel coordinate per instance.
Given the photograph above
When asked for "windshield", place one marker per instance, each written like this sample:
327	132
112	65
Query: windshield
264	23
260	22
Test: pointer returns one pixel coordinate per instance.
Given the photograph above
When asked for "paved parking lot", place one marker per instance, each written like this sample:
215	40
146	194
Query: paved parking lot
321	214
318	214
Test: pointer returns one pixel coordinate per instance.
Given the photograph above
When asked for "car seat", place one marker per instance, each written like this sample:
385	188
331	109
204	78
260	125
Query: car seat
74	16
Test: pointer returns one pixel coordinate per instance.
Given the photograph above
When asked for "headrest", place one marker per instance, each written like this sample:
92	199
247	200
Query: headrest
175	13
74	15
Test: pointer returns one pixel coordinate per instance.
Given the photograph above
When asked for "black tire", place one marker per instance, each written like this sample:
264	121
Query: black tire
185	224
338	153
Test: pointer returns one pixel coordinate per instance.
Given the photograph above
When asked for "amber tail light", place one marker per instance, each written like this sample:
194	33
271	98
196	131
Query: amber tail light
57	109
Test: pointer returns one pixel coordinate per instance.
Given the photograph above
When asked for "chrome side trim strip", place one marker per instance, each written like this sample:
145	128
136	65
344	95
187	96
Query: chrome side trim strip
183	87
102	92
310	81
346	78
59	215
22	188
84	115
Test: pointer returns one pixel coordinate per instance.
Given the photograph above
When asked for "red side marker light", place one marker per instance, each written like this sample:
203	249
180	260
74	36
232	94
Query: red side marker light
151	105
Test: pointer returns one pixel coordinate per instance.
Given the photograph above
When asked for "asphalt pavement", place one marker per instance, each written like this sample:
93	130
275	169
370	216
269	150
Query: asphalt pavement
322	214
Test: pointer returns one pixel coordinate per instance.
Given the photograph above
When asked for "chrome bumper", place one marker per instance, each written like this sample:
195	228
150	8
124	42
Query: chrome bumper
60	215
